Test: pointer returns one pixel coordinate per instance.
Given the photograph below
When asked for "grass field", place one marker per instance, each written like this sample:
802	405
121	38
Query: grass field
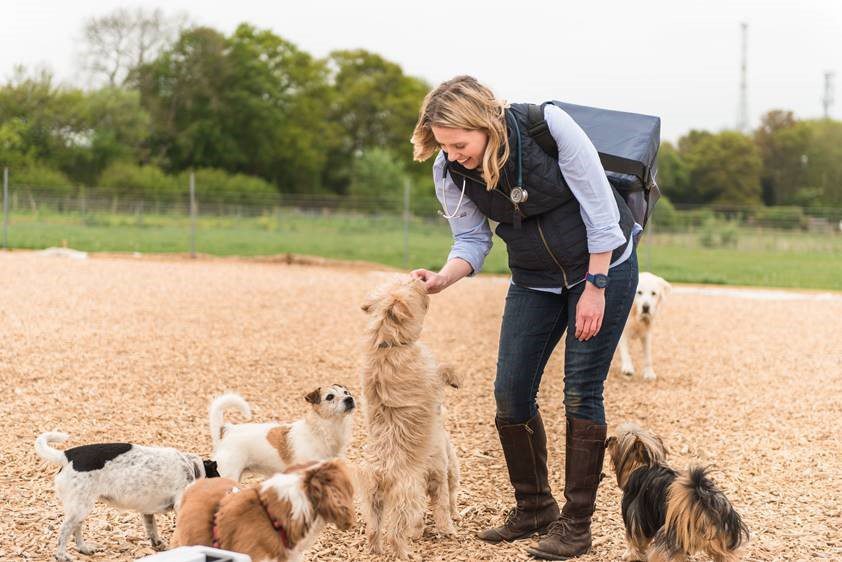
769	258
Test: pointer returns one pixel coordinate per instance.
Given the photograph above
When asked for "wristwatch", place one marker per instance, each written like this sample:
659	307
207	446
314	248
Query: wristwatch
599	280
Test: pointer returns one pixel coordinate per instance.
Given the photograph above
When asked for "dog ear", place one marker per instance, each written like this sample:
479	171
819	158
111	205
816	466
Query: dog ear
665	287
640	450
611	441
314	396
211	470
330	491
397	311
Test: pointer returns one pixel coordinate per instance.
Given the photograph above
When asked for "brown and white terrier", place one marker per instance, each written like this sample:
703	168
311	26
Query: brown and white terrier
266	448
274	521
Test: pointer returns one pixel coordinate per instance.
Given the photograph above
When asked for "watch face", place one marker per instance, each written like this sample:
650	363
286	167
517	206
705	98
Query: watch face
599	280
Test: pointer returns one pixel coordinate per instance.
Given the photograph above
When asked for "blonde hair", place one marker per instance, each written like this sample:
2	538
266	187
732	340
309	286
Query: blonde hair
464	103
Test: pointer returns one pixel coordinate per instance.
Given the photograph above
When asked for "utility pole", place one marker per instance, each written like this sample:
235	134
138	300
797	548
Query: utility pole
742	110
827	100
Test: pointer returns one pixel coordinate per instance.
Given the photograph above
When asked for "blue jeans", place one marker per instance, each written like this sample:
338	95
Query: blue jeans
533	323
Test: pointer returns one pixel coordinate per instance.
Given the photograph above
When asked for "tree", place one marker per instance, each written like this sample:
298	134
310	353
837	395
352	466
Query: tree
50	123
376	105
724	168
377	174
119	42
782	141
823	165
673	174
280	99
185	92
252	103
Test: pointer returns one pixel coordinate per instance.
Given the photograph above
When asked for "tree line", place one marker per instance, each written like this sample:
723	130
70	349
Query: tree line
258	117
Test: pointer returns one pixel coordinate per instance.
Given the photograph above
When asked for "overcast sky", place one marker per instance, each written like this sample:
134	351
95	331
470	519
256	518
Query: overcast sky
674	58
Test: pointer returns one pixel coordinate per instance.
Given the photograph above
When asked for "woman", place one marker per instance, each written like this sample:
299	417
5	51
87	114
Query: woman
570	242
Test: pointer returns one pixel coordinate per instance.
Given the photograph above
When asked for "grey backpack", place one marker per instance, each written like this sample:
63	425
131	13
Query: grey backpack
628	149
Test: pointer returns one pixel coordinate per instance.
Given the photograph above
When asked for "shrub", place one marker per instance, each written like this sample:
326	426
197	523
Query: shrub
146	183
41	179
717	233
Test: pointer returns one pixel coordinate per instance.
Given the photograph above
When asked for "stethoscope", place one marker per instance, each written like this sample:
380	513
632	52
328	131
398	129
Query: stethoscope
517	195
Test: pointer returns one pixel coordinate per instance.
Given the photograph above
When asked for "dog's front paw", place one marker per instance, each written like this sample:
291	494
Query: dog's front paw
375	547
448	531
649	375
158	544
627	372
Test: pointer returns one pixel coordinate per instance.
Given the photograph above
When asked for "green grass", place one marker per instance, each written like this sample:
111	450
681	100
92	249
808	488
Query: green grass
769	259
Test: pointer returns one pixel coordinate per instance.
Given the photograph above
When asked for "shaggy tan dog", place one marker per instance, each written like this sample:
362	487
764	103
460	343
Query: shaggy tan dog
408	450
275	521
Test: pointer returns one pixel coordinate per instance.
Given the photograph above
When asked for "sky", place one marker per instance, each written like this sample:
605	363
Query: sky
677	59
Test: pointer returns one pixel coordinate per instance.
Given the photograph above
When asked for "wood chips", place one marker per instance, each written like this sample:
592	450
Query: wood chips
122	349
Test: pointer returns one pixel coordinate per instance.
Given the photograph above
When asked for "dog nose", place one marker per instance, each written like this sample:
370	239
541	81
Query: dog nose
646	308
349	402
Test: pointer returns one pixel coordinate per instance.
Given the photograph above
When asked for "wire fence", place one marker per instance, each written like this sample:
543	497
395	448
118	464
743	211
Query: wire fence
210	221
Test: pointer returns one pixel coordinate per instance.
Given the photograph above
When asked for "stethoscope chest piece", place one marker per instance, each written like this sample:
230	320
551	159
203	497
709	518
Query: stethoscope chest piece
518	195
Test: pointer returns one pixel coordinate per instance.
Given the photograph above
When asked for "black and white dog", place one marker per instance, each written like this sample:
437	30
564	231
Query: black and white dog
148	480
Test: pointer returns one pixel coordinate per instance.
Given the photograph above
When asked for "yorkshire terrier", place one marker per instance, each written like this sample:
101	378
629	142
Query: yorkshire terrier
668	514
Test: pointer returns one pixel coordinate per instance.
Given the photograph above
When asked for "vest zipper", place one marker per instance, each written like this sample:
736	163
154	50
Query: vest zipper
549	251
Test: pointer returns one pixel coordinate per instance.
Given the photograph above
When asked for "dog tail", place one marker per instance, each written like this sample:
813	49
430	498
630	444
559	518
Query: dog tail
698	513
51	454
218	406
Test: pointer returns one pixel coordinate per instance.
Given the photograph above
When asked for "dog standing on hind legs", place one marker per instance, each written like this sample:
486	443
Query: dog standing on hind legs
408	454
670	515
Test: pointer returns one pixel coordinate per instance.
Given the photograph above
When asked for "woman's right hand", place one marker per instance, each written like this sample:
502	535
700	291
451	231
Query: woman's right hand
435	282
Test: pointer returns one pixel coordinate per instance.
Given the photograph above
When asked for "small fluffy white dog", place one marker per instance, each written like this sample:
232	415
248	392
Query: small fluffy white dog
651	291
267	448
148	480
408	450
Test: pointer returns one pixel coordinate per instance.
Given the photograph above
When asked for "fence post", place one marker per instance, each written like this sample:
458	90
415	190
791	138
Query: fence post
6	208
406	224
192	215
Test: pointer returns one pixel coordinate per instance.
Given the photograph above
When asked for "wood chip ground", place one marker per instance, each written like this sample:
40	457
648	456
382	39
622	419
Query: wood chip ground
123	349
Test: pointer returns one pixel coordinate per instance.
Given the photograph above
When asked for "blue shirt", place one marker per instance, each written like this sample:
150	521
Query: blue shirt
579	163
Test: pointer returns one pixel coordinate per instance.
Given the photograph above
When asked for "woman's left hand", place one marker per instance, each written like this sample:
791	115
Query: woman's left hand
589	312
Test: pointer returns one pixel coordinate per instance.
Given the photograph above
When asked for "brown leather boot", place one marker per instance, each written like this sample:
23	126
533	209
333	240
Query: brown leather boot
525	449
570	536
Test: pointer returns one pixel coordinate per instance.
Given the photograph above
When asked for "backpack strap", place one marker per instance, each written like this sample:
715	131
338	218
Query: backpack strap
539	130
